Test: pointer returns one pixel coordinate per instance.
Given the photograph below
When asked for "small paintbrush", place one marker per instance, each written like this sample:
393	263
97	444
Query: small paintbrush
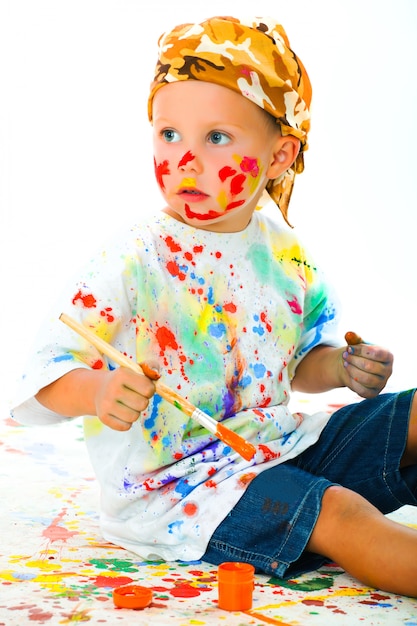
353	339
235	441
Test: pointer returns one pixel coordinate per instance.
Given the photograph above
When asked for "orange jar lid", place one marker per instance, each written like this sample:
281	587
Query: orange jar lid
235	572
132	597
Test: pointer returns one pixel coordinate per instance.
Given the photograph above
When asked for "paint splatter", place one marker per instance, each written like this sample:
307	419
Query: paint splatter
161	170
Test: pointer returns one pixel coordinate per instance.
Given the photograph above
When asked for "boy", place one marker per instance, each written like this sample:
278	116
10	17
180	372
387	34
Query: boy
233	310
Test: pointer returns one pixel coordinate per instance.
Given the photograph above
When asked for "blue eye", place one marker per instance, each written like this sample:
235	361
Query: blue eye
218	138
170	135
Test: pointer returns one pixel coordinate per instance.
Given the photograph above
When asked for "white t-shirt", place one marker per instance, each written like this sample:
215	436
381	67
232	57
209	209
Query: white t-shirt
229	316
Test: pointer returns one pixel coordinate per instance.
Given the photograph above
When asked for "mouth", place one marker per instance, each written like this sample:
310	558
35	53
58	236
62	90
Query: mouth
192	194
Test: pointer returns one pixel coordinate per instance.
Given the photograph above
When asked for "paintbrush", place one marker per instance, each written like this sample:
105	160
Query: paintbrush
235	441
353	339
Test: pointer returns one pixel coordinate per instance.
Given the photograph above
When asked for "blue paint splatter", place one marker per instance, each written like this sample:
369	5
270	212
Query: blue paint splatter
175	526
217	330
259	370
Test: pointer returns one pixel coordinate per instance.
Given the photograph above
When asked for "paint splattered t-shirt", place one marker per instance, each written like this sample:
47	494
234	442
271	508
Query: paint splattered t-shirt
229	316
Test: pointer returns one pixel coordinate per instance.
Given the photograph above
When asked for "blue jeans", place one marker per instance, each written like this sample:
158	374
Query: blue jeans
360	448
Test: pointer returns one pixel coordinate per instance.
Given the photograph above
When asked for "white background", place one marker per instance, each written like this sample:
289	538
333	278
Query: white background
76	158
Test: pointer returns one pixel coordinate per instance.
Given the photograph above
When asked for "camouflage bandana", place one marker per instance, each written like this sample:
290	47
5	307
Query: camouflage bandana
253	58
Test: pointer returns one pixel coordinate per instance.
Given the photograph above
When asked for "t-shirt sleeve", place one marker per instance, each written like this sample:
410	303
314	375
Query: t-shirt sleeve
321	315
102	301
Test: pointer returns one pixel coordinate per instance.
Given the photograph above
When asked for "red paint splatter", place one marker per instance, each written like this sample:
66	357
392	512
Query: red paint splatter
166	339
107	314
58	533
230	307
267	452
294	306
172	245
379	597
87	300
184	591
174	269
226	172
39	615
113	582
250	165
190	509
236	184
161	170
97	365
147	485
188	156
211	484
265	321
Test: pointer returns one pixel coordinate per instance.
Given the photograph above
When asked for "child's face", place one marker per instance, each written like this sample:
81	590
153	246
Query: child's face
212	149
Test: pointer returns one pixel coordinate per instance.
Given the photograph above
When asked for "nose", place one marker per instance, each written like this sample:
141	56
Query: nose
189	163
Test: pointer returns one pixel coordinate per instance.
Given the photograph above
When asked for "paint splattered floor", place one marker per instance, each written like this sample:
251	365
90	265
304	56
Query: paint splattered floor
55	568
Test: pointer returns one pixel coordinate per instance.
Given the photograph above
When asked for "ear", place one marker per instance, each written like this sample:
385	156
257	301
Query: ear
284	155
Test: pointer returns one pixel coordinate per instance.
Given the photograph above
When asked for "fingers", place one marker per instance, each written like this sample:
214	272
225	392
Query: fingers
368	367
122	397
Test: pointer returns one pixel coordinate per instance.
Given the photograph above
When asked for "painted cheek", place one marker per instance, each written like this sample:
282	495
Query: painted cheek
235	186
226	172
161	169
251	166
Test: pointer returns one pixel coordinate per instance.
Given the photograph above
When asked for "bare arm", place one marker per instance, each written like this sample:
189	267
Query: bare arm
116	397
363	368
320	370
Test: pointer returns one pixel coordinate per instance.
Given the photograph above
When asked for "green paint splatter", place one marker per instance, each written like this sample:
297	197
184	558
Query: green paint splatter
114	565
311	584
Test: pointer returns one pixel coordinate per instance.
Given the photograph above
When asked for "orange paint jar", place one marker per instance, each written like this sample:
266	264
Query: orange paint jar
236	583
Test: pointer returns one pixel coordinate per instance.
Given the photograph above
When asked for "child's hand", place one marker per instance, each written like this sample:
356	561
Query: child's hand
121	396
367	368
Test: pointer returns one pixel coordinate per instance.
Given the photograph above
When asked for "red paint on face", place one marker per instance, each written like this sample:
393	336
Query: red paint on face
161	170
207	216
250	165
188	156
88	300
236	184
226	172
234	205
